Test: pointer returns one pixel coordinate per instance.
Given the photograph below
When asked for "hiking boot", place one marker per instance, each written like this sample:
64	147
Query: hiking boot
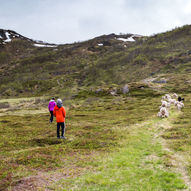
58	137
62	137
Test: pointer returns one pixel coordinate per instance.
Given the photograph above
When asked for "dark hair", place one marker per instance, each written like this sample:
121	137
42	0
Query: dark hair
53	98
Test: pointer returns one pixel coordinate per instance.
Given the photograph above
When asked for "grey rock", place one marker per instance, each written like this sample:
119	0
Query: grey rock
113	92
125	89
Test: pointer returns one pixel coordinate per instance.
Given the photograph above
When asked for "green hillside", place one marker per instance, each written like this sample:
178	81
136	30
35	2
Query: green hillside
29	70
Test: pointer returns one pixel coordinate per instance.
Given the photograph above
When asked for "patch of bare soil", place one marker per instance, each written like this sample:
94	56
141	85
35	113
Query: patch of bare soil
43	180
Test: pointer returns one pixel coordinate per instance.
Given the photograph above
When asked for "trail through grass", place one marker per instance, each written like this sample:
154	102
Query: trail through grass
140	164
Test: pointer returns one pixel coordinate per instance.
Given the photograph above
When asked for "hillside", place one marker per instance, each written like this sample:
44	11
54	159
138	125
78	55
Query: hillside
28	68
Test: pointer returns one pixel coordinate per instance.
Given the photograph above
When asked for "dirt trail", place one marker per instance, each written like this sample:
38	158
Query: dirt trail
178	160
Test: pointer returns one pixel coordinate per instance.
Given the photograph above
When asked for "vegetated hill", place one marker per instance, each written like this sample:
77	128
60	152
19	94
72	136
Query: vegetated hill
105	61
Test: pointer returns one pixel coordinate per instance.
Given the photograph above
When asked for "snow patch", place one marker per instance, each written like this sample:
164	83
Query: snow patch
100	44
45	45
8	38
122	39
130	39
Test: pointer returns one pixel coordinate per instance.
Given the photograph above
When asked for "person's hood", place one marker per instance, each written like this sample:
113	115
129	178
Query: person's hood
52	100
59	103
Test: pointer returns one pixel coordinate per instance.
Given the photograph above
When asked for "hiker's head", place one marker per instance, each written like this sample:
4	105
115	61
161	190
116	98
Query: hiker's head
59	103
53	98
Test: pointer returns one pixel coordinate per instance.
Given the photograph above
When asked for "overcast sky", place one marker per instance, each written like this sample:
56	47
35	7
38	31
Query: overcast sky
66	21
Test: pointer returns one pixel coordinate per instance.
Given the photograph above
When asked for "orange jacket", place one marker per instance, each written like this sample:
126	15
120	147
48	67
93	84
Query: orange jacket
60	114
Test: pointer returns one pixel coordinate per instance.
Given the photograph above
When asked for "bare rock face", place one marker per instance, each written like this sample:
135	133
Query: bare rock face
125	89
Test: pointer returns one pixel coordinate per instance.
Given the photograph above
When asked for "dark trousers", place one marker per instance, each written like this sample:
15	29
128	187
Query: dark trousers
51	116
62	130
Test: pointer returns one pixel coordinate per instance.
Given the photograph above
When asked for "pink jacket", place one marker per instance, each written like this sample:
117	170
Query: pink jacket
51	105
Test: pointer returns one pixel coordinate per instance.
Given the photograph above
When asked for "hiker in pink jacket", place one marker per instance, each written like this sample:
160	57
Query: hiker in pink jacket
51	106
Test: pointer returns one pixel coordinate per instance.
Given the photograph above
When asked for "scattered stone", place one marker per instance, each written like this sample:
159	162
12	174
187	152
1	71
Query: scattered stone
113	92
125	89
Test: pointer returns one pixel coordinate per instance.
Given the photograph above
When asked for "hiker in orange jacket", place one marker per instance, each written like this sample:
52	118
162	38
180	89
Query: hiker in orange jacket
60	114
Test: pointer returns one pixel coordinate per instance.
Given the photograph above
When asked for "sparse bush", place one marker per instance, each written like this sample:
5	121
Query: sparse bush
140	60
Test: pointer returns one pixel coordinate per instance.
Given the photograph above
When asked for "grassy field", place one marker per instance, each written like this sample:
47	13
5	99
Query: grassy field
113	143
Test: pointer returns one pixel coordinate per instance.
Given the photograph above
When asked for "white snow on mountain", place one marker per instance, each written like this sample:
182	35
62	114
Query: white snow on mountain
45	45
130	39
8	38
100	44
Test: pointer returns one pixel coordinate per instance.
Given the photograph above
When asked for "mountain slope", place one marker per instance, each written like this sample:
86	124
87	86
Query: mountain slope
105	61
8	35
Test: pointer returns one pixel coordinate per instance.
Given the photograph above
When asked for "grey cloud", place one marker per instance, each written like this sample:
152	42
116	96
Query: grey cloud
65	21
